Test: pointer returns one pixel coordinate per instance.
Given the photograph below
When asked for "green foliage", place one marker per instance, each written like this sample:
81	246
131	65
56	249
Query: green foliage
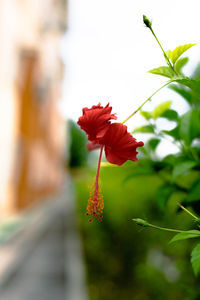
191	83
163	71
144	129
161	109
179	173
178	51
180	63
189	128
170	114
182	91
118	256
163	194
147	115
182	167
185	133
78	153
194	192
186	235
153	143
174	133
195	259
139	172
174	71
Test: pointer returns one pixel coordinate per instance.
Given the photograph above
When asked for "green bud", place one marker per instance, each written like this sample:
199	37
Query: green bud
141	222
146	21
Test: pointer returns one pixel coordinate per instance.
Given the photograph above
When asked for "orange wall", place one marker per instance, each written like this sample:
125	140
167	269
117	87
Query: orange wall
31	137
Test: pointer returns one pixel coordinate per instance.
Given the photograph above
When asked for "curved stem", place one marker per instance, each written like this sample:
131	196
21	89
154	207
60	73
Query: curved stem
149	98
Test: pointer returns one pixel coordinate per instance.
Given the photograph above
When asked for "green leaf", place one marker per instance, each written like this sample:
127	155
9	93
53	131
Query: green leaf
146	114
144	129
170	114
161	108
173	133
194	194
195	259
153	143
186	94
180	63
163	194
193	84
163	71
178	51
189	127
183	167
189	234
170	159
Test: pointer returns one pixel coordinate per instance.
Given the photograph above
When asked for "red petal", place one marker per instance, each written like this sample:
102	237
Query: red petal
95	121
120	145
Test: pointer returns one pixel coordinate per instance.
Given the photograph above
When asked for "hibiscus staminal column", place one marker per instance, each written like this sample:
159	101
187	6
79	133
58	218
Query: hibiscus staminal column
95	203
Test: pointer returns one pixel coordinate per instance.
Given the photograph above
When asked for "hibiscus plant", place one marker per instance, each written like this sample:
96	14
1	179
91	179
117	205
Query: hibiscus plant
180	173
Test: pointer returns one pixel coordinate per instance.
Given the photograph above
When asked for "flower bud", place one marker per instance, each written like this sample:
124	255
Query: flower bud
146	21
141	222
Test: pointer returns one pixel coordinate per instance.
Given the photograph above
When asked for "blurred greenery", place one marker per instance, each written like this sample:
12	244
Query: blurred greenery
78	153
123	262
180	173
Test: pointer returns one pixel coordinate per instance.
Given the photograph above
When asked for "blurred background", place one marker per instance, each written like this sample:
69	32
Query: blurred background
56	57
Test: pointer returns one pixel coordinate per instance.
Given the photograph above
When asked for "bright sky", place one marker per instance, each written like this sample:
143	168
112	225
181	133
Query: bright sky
108	51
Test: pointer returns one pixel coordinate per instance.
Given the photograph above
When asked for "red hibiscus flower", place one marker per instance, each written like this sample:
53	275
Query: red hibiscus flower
95	121
120	145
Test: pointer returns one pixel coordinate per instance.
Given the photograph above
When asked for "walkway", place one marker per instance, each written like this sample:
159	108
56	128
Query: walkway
44	260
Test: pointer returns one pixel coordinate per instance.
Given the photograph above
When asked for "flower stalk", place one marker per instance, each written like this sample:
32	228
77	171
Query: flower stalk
149	25
144	223
148	99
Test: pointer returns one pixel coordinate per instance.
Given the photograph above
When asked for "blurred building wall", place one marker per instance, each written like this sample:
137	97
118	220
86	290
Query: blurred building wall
31	129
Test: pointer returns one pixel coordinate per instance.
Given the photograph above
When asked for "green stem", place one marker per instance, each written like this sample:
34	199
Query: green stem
144	223
191	214
188	212
165	56
149	98
166	229
149	25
